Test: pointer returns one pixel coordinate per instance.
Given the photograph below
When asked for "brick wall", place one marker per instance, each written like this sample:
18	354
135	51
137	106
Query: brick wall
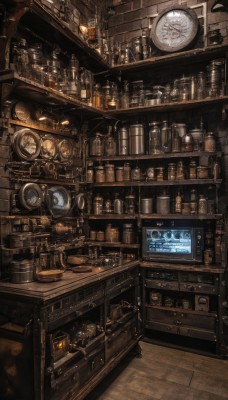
133	15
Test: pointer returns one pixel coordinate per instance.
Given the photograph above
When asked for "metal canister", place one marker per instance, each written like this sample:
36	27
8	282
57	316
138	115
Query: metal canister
90	173
128	234
123	141
127	171
163	204
118	206
98	205
146	206
136	139
100	174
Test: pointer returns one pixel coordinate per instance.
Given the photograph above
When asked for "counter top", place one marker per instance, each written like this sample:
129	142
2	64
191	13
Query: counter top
41	292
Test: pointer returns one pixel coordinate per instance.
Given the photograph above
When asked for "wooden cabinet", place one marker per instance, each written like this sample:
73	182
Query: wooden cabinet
184	300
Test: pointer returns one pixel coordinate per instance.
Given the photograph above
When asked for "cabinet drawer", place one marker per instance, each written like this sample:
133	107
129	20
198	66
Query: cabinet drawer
199	288
158	326
158	284
163	316
181	319
198	333
197	321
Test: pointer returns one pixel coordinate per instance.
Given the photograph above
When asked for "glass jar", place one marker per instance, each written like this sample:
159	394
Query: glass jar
176	141
178	203
21	58
99	174
110	145
137	87
202	205
167	94
100	236
111	234
125	96
160	174
109	172
193	195
154	138
165	137
180	170
174	94
128	234
96	145
130	204
172	169
119	174
187	142
157	94
186	208
137	48
202	172
98	204
136	174
192	169
209	142
106	95
184	89
200	90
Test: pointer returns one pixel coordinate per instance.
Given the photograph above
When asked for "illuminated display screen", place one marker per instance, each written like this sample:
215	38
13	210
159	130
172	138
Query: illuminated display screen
169	241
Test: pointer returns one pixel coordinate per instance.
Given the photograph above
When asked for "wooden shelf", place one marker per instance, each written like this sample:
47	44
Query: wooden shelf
111	216
160	183
110	244
183	310
168	107
161	156
181	216
195	55
36	92
40	127
154	216
214	269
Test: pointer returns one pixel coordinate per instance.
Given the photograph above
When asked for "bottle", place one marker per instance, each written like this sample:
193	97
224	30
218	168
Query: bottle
165	137
176	141
97	100
154	138
178	203
125	96
110	143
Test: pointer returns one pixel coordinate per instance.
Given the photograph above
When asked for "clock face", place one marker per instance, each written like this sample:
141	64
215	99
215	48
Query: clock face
175	29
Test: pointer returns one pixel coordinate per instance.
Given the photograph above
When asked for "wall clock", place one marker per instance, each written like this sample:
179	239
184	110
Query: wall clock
175	29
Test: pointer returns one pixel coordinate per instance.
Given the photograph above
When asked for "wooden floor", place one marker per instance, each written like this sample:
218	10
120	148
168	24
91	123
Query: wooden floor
166	374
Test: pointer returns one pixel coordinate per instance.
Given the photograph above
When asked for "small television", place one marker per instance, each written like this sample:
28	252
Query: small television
171	244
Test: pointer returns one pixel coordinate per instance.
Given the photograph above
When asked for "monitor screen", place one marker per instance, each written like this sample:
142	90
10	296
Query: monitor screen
174	241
